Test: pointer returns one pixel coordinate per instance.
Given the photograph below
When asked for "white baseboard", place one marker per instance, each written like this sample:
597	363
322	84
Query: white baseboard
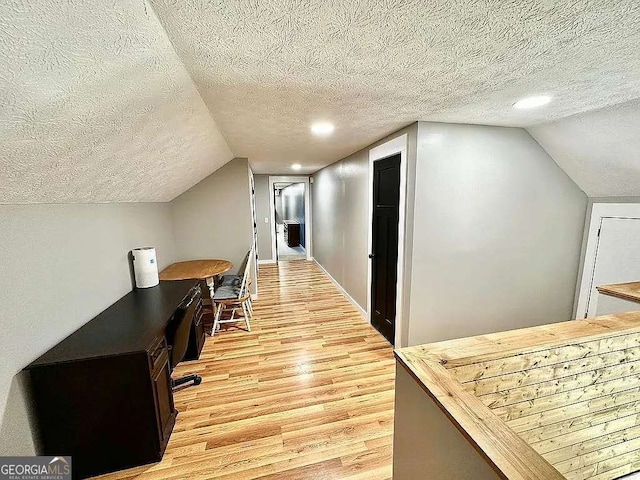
362	311
266	262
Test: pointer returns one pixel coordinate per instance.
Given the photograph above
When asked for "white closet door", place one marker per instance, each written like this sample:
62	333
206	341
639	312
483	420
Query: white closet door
617	256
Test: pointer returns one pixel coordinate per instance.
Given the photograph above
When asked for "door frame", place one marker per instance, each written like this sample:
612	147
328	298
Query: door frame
598	212
307	211
254	235
392	147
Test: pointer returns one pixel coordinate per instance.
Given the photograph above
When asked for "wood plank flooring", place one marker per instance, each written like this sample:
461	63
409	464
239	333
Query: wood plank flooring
307	394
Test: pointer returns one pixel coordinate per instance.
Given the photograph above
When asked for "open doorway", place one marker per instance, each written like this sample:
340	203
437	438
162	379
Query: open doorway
290	221
290	237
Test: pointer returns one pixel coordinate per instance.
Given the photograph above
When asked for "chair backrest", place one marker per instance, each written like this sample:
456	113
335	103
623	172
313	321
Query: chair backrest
245	261
179	331
244	285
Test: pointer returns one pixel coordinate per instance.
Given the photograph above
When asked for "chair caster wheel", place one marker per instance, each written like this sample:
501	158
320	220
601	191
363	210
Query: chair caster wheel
197	380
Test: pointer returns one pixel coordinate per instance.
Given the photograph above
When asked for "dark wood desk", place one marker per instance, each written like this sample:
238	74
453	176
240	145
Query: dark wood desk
103	395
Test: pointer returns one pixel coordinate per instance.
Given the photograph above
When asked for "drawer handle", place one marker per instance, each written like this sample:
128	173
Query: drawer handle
157	352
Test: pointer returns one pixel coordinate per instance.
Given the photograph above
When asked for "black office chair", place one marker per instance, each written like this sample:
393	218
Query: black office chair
178	332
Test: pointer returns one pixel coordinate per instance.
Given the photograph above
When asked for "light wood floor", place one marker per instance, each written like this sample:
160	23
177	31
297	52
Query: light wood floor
308	394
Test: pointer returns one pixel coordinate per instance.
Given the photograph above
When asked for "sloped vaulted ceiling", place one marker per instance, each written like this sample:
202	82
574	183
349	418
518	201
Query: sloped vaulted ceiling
599	150
97	106
269	68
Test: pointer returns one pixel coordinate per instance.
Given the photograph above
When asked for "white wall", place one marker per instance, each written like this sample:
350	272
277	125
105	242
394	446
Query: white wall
213	218
60	266
278	212
420	426
498	233
263	211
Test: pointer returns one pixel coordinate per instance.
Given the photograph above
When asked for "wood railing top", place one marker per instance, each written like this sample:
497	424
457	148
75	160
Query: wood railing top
627	291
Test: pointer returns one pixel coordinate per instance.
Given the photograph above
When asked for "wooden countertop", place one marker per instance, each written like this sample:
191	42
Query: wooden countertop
478	381
627	291
199	269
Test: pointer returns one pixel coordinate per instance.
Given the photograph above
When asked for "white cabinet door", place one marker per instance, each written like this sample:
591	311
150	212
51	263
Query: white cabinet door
617	256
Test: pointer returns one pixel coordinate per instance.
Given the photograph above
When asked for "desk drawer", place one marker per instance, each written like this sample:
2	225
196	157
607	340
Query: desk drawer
197	336
158	354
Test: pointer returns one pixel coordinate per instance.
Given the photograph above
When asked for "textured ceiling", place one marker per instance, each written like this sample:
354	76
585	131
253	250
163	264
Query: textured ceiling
268	68
96	106
599	150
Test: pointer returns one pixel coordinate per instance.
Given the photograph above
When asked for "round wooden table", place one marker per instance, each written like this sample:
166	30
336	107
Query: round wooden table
201	269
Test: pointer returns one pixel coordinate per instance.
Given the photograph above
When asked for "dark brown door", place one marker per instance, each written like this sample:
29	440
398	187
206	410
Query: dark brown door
384	255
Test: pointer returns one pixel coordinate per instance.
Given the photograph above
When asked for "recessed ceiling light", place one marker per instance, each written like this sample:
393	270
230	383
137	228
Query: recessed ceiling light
296	166
532	102
322	128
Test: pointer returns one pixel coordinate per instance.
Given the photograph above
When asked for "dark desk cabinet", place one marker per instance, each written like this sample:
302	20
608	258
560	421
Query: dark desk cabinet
197	337
292	233
103	395
165	413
